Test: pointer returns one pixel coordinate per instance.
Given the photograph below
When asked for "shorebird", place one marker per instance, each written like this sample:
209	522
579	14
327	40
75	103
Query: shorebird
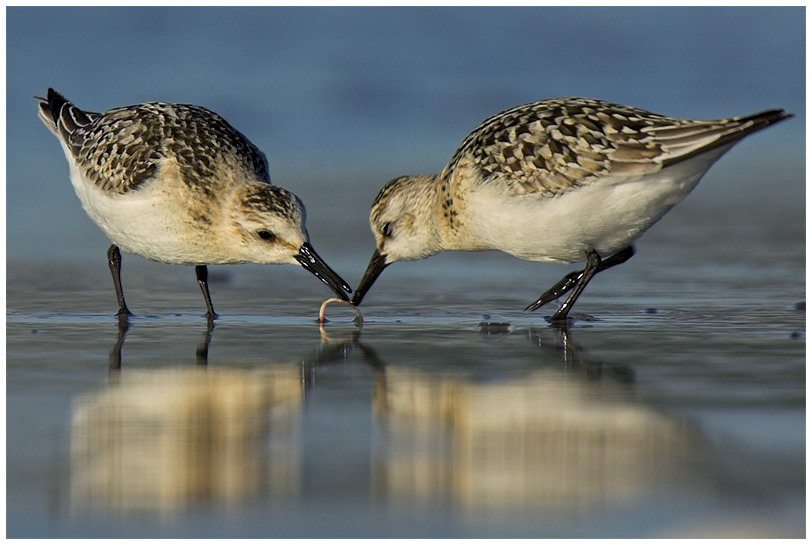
558	181
175	183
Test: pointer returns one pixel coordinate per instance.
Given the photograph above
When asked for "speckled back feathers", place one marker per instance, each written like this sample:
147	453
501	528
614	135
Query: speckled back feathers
122	148
553	146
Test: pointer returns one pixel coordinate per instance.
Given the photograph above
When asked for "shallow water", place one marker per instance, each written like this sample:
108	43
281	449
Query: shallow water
675	405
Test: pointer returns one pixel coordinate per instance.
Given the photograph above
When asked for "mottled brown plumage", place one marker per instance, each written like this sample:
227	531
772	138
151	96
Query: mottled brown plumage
123	147
554	146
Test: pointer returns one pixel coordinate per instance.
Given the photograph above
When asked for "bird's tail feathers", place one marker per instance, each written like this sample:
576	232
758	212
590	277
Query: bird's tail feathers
61	116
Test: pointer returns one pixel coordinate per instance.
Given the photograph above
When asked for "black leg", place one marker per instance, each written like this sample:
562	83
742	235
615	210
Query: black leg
114	260
556	291
621	257
203	279
593	261
572	279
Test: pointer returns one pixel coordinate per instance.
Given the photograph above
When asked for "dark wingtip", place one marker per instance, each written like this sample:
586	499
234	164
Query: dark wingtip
767	118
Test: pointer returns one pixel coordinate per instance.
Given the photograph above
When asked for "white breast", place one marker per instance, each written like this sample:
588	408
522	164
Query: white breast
147	222
606	215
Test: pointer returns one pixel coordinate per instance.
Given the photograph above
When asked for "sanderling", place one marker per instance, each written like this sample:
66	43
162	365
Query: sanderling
558	181
176	183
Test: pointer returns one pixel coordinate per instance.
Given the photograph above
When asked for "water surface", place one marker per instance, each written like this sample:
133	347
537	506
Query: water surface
674	405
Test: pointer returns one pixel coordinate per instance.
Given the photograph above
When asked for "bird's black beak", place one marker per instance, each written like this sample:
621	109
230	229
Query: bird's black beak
311	261
376	266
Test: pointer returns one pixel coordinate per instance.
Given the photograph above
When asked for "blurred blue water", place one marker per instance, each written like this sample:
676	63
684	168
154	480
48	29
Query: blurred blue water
343	99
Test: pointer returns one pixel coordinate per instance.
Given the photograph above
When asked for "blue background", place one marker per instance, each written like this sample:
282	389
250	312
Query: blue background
343	99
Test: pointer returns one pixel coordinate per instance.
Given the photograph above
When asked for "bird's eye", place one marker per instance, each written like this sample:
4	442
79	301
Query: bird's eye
386	230
266	235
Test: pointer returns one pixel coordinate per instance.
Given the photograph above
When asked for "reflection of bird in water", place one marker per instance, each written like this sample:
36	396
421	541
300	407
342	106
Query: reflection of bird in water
571	353
574	356
201	354
335	349
547	438
548	441
163	439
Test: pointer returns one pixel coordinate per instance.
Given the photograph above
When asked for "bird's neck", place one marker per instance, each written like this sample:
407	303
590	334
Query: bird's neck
429	201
